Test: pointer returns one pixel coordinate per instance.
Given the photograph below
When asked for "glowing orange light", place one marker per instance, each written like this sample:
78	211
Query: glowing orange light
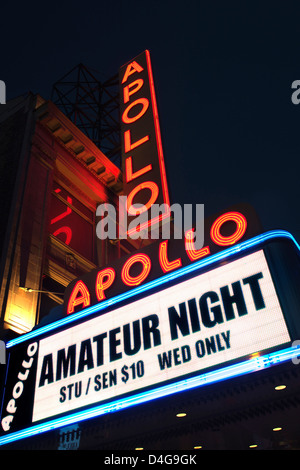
132	68
75	299
192	253
157	132
104	280
146	266
154	193
127	141
241	226
130	175
127	92
67	231
130	115
129	120
167	265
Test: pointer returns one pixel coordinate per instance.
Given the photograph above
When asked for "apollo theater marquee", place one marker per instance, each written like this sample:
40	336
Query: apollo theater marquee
163	320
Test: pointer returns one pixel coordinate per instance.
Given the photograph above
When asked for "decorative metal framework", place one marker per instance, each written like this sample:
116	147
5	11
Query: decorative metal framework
93	106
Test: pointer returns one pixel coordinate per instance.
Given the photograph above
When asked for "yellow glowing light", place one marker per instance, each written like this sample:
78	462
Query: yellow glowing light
257	354
280	387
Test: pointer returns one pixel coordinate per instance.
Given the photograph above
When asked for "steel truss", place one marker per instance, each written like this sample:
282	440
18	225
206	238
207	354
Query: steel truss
93	106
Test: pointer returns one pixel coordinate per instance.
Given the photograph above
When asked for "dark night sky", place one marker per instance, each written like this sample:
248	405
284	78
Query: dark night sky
223	73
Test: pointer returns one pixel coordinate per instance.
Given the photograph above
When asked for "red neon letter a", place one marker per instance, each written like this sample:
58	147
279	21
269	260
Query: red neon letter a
132	68
80	295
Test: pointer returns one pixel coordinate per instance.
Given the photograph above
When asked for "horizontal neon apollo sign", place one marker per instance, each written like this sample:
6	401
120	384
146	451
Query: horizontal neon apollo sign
80	295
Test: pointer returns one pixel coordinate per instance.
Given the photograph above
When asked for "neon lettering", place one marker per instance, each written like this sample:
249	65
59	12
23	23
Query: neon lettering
137	84
18	388
146	267
127	141
192	253
80	296
67	231
241	226
130	175
129	120
154	193
132	111
132	68
105	279
63	214
165	264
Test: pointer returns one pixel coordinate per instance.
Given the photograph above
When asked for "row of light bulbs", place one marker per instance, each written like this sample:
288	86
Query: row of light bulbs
278	388
252	446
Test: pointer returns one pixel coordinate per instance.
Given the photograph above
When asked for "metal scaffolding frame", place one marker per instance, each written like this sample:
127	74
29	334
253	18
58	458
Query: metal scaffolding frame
93	106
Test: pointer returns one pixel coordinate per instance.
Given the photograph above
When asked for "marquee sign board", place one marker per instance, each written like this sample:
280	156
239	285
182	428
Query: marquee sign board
176	336
210	319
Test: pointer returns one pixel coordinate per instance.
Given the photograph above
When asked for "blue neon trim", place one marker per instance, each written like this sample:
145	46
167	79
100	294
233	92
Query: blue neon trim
252	242
252	365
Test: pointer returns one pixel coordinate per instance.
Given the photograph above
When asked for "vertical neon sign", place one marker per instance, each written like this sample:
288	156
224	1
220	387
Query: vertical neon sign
145	181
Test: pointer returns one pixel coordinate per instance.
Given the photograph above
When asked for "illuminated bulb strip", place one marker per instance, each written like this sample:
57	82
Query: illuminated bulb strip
225	254
225	373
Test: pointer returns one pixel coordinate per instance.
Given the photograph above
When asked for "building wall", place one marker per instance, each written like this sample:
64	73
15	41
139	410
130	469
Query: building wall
65	176
17	125
21	307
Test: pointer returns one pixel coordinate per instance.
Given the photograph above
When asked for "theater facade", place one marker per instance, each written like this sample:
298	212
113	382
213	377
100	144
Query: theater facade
123	345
